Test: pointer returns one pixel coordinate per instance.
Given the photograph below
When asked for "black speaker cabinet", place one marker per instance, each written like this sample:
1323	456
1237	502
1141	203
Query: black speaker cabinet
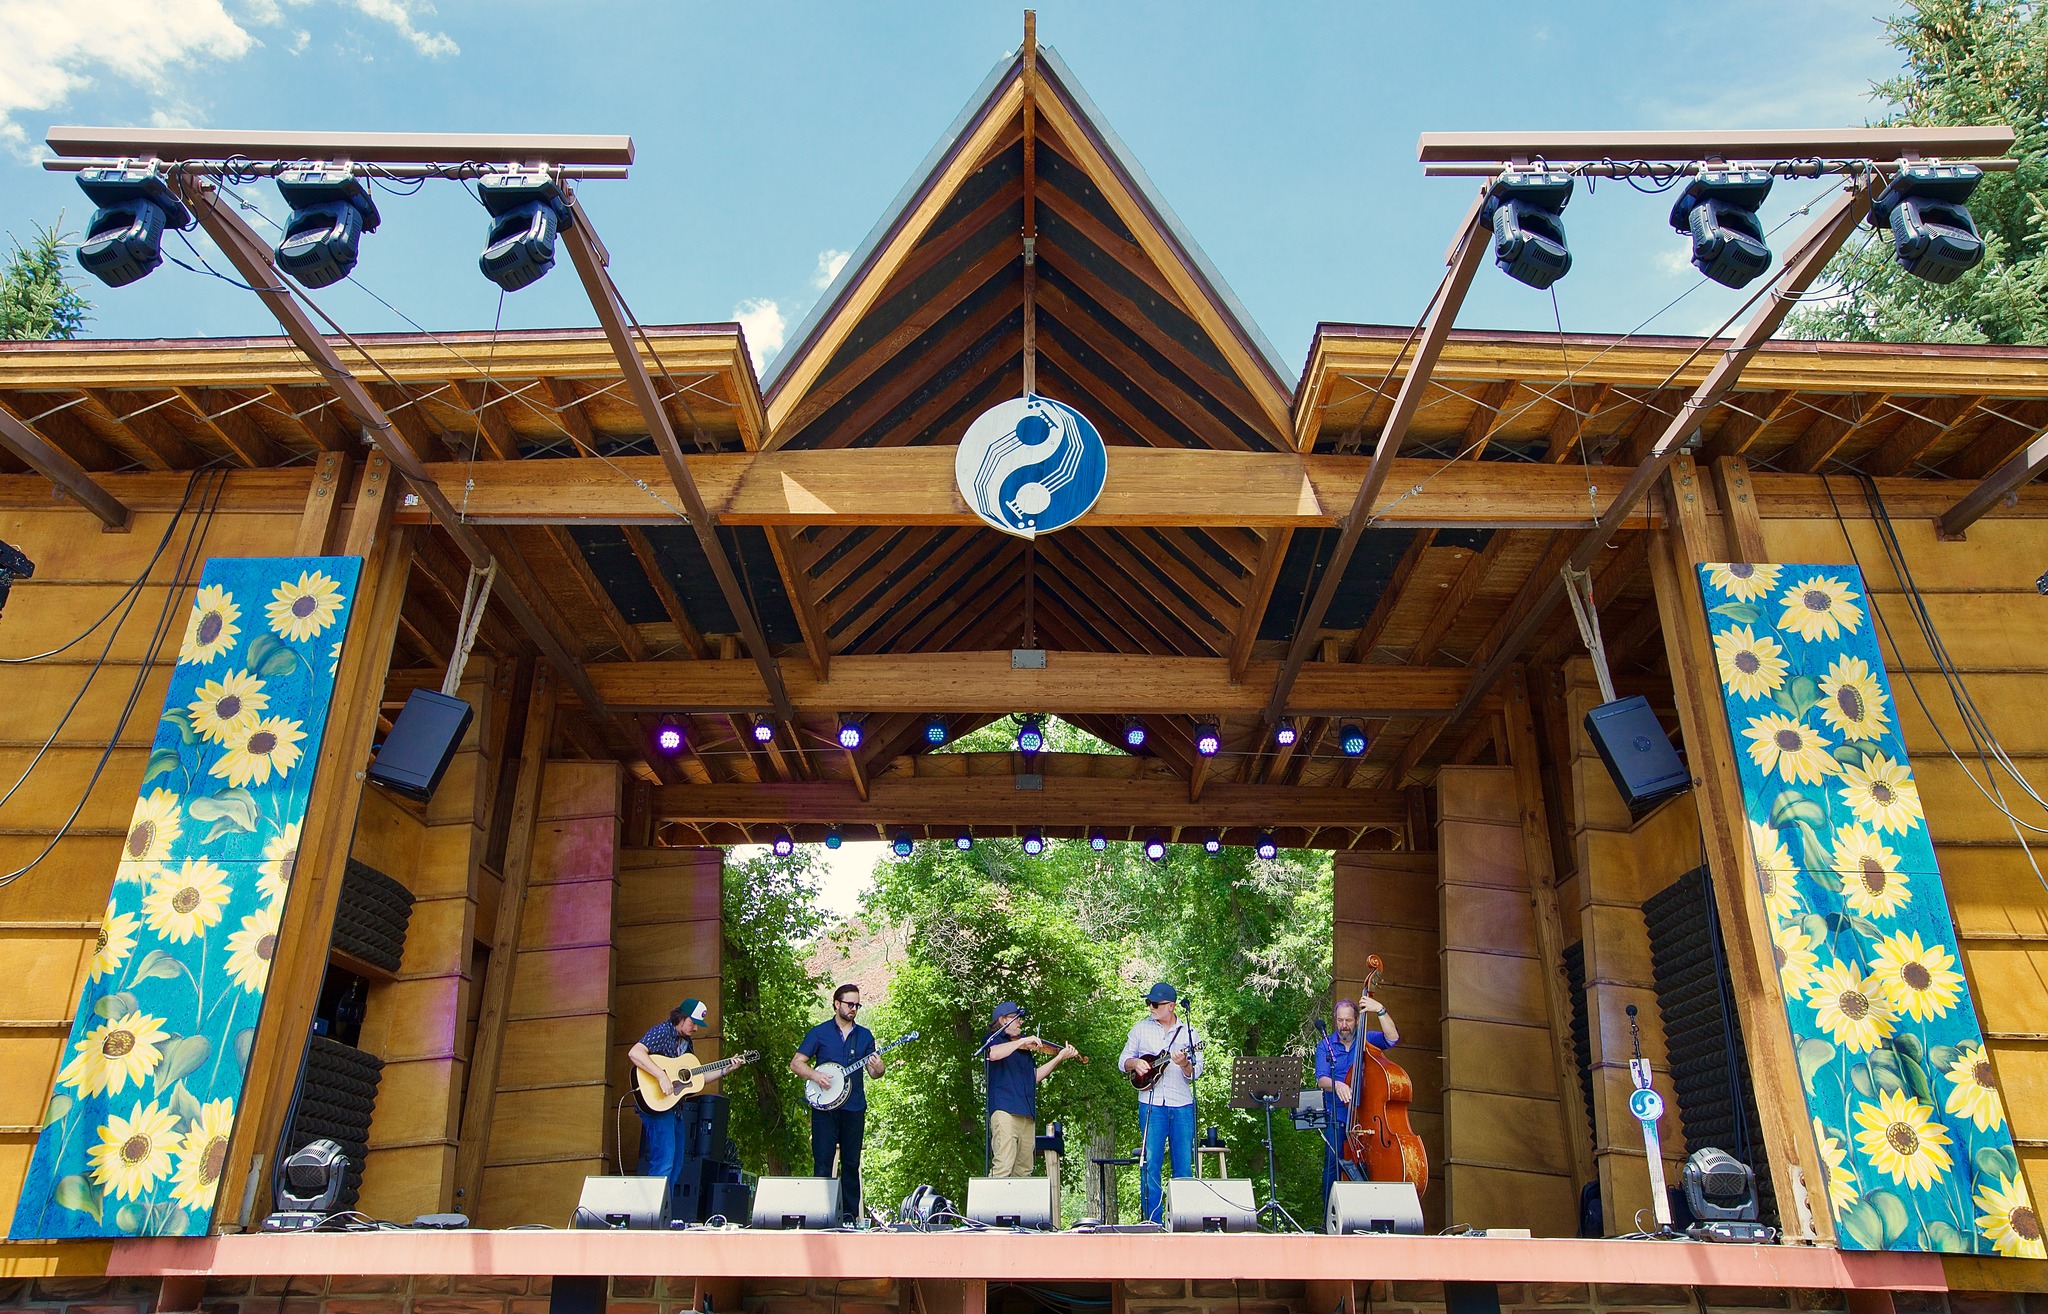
422	742
1637	752
732	1201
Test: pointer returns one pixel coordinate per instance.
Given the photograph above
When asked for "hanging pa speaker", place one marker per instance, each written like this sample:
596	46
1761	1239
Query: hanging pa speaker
1392	1208
1637	752
1211	1204
422	742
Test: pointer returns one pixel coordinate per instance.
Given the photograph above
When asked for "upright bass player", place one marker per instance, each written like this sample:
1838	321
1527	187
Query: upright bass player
1336	1057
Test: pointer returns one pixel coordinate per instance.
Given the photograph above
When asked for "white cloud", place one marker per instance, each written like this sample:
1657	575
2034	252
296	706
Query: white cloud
762	321
829	264
399	13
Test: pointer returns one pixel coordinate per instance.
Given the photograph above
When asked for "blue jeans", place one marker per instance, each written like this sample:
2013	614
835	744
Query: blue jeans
1164	1127
661	1149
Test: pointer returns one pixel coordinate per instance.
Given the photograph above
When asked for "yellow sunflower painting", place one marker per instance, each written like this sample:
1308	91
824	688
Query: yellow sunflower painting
1852	702
1775	871
1792	950
210	630
1922	978
270	747
115	1055
1881	793
1872	883
157	820
116	941
1745	581
182	904
1902	1140
226	708
134	1152
2009	1218
1852	1008
202	1155
1973	1090
251	948
1834	1168
1818	608
1790	747
300	611
280	858
1751	667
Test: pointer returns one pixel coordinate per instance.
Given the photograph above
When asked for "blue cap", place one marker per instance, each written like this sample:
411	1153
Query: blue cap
1003	1010
693	1008
1162	993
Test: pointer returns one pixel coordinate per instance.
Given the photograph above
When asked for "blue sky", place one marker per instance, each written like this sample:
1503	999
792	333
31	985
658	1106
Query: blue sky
771	136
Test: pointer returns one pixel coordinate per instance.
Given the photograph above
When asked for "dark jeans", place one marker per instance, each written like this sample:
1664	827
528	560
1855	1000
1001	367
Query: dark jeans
840	1130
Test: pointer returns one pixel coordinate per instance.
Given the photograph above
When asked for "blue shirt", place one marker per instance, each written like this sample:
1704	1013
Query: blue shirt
1334	1060
1013	1084
823	1044
662	1038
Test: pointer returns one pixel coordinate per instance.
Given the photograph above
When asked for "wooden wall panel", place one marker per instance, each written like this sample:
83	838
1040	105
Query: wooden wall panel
1505	1155
49	918
1981	597
669	934
551	1119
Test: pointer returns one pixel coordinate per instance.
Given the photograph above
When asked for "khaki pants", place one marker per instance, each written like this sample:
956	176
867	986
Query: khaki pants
1012	1138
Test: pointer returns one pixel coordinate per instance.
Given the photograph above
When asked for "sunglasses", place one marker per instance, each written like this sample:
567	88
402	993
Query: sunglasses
850	1003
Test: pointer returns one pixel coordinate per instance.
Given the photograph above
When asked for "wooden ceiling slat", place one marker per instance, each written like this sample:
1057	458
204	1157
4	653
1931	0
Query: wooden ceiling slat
316	413
873	589
1068	319
1081	600
572	558
1478	565
1115	563
855	561
966	572
1746	416
1149	545
1489	413
895	392
1934	419
2013	427
1577	408
487	406
664	591
161	446
227	418
1062	377
1829	430
1641	431
69	434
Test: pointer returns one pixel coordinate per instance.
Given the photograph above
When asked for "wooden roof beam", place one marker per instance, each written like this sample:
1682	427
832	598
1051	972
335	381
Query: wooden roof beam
2018	471
55	464
233	426
1830	430
1921	432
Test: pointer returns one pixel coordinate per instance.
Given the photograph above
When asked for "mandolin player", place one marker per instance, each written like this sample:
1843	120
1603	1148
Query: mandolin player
1162	1043
1335	1060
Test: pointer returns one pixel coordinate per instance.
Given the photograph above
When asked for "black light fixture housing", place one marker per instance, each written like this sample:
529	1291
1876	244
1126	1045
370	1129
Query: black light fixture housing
14	565
124	238
308	1186
902	845
935	733
527	211
1265	847
331	210
1524	208
1933	235
1718	210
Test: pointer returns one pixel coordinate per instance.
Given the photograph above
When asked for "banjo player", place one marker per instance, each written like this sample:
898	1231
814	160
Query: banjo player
842	1040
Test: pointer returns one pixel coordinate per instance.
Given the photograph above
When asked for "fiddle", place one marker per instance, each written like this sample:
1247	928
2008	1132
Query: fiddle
1378	1139
1038	1045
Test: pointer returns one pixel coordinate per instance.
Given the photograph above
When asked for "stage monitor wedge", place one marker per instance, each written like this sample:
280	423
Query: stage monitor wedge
1388	1208
1637	752
1024	1202
796	1202
1211	1204
422	742
637	1204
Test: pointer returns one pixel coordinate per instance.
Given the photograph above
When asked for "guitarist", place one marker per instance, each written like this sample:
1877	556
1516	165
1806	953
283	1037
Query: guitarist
840	1039
661	1130
1336	1057
1013	1077
1166	1112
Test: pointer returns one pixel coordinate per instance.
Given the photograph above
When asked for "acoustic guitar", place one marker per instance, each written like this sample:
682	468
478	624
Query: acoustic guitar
689	1070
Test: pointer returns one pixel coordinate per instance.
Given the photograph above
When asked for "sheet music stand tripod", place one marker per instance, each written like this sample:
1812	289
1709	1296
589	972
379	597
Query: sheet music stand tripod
1258	1082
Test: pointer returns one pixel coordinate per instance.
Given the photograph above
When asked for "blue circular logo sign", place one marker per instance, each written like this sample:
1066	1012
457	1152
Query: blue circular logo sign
1647	1105
1031	465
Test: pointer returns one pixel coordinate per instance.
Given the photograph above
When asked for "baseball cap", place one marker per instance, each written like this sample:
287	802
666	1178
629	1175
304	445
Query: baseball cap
693	1008
1003	1010
1162	993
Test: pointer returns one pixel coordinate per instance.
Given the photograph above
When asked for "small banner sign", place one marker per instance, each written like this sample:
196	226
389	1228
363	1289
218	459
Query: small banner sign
1906	1115
1031	465
136	1131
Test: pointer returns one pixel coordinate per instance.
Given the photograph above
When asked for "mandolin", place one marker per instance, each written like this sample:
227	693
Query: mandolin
687	1069
1159	1062
1378	1140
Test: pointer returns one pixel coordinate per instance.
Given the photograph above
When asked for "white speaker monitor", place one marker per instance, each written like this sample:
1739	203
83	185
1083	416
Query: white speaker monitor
1211	1204
1011	1202
635	1203
796	1202
1386	1207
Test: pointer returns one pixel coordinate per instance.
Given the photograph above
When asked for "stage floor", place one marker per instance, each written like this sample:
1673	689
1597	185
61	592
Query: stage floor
1015	1256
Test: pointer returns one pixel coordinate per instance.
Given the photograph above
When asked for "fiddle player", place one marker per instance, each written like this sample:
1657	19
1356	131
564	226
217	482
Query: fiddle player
1013	1079
1336	1061
1166	1112
843	1040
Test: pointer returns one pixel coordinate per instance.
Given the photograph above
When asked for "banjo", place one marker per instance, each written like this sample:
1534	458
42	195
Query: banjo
833	1095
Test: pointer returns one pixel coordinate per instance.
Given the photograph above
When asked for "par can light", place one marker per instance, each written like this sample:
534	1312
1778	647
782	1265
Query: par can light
763	730
849	733
833	838
1034	843
1030	735
668	737
1213	844
1285	733
1097	840
1351	739
331	210
1265	847
902	845
124	238
963	841
1155	849
783	845
1208	740
935	730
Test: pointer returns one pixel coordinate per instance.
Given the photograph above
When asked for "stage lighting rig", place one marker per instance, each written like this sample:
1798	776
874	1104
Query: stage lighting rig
1933	235
1351	739
1031	734
1719	210
849	733
935	730
527	211
902	845
1208	740
783	845
1134	733
308	1185
668	737
14	565
1524	209
763	730
1285	733
1265	848
331	210
124	238
1034	843
1155	849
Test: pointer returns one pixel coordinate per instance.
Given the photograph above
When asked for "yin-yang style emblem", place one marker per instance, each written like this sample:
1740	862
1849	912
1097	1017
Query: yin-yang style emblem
1031	465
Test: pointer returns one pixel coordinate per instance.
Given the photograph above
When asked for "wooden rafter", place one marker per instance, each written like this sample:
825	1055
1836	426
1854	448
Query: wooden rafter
55	465
1829	430
1923	429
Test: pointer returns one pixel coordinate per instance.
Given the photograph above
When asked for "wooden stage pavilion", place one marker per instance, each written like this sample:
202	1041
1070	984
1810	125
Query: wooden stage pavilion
1377	541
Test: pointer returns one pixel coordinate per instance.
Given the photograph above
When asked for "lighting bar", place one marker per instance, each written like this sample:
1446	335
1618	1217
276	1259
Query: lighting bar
178	145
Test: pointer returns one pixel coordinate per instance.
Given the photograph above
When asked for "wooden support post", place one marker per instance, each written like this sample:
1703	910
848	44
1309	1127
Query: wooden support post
323	504
1717	792
1030	232
497	987
1737	495
1538	856
308	925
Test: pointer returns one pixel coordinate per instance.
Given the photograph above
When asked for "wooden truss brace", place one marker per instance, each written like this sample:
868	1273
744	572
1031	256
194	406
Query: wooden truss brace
54	464
2007	478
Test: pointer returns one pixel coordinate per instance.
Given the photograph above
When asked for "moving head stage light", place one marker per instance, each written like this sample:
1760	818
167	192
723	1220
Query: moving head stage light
527	211
1719	211
1933	235
124	238
1523	209
331	210
14	565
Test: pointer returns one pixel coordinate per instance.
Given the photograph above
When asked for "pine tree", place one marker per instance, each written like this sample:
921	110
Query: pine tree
37	299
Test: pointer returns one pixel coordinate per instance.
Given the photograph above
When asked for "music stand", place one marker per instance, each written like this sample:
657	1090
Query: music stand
1258	1082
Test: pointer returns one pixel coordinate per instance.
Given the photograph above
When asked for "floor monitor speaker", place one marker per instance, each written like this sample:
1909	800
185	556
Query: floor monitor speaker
1011	1202
632	1203
794	1202
1637	752
1386	1207
423	740
1211	1204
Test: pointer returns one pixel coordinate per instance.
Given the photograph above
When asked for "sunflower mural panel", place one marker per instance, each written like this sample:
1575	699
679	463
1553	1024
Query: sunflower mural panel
1907	1118
136	1131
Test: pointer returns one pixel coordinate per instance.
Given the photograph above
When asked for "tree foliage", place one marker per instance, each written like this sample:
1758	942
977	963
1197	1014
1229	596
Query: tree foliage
771	916
1966	62
37	297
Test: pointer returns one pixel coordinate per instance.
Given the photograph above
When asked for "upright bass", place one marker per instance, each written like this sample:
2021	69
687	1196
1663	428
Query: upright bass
1378	1142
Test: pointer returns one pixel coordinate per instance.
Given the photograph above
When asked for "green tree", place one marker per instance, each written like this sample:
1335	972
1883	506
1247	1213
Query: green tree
772	915
37	297
1966	62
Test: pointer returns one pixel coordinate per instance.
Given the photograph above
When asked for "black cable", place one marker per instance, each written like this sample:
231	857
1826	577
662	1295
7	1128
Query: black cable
136	587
